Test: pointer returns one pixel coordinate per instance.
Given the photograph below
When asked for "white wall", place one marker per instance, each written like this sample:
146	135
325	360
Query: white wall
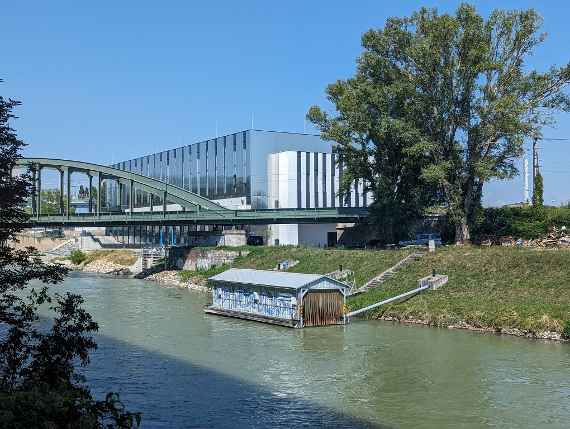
315	234
287	234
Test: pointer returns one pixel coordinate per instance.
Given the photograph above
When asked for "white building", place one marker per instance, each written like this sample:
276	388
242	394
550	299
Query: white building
255	169
298	179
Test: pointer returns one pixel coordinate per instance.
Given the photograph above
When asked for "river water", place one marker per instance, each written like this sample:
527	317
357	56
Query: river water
183	368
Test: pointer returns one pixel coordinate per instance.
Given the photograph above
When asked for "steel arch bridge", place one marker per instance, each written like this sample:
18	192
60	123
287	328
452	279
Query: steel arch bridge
195	209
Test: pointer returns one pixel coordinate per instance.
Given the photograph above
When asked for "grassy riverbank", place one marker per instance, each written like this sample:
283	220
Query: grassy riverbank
364	263
122	257
498	288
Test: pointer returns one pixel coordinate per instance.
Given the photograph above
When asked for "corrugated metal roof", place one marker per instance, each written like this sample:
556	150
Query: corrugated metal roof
270	278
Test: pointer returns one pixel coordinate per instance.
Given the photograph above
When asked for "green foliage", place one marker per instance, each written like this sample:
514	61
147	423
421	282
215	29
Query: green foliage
77	256
39	382
51	200
566	330
520	222
538	191
451	94
202	275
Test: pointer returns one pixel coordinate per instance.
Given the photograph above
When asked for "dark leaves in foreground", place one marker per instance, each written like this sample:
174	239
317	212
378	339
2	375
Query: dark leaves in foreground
39	383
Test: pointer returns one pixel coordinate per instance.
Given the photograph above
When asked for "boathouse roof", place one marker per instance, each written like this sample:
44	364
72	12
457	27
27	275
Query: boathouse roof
277	279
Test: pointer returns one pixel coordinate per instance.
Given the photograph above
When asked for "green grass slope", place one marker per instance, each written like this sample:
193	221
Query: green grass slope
497	287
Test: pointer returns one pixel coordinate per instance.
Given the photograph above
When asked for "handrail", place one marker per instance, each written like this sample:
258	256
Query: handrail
389	300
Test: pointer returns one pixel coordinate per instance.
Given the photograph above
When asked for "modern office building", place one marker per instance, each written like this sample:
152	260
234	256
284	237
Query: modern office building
256	169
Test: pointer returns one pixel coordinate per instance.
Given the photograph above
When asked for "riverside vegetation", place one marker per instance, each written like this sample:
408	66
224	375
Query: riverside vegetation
521	291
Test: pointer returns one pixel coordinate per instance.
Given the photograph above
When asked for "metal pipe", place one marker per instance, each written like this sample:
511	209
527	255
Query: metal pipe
388	301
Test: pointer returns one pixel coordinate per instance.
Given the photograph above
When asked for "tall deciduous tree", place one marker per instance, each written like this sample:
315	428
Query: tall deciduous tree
39	384
469	94
377	145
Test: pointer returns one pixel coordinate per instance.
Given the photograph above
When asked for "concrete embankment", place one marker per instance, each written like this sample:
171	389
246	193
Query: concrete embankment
126	263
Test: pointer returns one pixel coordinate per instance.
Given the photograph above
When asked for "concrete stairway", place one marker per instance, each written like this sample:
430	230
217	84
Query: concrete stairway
388	274
64	249
150	256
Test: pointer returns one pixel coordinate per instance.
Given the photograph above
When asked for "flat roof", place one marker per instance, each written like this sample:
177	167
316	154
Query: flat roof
278	279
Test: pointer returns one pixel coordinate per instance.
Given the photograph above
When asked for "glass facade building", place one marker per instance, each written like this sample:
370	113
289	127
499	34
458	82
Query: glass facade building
230	169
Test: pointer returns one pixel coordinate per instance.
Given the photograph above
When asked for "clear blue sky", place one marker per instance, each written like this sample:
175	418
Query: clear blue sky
109	80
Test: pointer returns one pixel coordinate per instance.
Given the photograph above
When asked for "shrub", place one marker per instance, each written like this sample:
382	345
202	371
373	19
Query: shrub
520	222
566	330
77	257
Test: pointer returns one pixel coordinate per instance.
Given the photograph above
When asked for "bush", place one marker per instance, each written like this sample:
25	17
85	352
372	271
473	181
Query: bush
77	257
566	330
520	222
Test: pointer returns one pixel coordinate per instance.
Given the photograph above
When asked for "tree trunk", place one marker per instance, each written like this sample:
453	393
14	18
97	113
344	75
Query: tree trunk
462	235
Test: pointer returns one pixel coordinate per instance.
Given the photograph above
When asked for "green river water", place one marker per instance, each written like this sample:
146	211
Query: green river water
183	368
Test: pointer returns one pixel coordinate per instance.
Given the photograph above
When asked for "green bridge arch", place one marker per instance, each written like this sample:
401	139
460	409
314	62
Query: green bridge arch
188	200
195	208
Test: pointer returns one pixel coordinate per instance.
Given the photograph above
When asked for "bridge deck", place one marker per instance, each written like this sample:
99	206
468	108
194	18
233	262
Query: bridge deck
208	217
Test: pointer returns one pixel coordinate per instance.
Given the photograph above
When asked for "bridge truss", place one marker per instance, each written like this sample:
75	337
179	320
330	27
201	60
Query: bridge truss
195	209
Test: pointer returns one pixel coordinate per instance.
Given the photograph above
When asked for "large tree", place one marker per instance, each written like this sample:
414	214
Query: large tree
39	383
469	96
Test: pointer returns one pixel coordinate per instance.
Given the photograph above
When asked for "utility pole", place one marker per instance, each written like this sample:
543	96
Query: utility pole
526	193
535	166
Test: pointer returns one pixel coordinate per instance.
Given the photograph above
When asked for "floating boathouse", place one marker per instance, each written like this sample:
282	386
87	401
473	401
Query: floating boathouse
289	299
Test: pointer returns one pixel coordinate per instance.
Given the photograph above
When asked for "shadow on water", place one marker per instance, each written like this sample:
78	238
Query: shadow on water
173	393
